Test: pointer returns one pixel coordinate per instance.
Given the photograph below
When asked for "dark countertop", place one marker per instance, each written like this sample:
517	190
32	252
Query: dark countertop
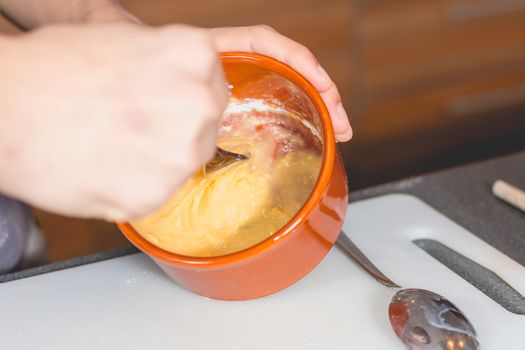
462	193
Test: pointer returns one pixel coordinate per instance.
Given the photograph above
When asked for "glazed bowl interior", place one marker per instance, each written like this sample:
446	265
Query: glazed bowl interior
256	83
261	83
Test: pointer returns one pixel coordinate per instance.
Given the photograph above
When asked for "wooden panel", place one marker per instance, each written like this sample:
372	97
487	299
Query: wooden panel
488	134
68	237
442	107
411	45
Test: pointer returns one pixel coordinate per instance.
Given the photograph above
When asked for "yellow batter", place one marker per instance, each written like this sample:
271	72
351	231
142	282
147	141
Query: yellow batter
237	206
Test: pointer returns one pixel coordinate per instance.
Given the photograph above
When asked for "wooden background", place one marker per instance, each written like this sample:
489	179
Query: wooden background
429	84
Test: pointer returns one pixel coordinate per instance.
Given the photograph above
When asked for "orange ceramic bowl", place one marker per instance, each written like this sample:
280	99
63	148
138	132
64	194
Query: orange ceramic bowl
298	247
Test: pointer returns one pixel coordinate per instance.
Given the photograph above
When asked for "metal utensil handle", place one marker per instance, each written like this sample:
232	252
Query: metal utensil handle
222	159
360	258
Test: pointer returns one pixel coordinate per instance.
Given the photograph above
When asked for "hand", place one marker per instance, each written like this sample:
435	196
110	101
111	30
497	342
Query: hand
106	121
264	40
30	14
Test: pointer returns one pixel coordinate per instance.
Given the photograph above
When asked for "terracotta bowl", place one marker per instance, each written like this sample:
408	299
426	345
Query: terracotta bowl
298	247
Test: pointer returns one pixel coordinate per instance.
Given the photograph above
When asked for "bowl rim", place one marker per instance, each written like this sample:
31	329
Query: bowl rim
320	187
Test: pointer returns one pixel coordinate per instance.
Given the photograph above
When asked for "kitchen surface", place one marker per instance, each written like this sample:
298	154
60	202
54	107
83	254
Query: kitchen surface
329	309
436	93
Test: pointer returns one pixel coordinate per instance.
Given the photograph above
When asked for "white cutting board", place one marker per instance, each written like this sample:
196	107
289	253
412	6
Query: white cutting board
128	303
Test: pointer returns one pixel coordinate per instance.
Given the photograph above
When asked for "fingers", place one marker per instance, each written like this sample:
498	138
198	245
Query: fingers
195	56
219	86
342	128
266	41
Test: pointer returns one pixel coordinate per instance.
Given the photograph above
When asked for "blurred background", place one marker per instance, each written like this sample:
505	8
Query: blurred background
429	84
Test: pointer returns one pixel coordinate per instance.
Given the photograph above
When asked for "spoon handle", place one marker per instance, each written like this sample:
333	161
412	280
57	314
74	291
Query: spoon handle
223	158
509	194
360	258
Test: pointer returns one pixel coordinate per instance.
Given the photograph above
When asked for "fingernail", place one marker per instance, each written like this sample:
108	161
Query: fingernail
322	73
341	113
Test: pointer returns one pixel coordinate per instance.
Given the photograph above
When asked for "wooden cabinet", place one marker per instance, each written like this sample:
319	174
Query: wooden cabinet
409	45
435	80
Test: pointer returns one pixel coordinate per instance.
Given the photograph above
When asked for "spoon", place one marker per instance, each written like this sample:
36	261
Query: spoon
425	320
222	159
421	319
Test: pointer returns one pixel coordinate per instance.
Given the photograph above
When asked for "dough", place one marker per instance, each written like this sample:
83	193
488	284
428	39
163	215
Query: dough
240	205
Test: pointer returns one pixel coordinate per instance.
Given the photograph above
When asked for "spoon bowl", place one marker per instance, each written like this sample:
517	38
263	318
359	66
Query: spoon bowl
424	320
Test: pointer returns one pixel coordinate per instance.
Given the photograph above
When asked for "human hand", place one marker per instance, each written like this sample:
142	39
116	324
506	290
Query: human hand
264	40
30	14
106	121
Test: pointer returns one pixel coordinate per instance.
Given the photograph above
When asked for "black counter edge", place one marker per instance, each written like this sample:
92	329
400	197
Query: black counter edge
66	264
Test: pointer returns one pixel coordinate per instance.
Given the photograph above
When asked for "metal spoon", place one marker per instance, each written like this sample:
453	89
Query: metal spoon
223	158
425	320
421	319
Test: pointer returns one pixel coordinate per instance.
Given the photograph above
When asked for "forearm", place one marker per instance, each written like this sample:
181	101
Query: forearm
29	14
